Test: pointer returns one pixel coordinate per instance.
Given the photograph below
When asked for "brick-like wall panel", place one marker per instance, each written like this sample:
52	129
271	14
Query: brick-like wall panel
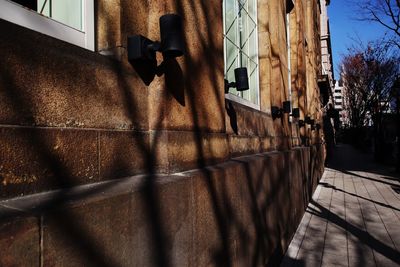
19	242
242	212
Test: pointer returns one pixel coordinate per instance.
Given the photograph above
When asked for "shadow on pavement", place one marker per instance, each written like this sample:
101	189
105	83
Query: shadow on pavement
363	237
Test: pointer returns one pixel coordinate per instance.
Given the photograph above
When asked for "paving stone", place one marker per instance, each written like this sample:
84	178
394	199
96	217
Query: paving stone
386	260
334	260
356	217
361	262
310	255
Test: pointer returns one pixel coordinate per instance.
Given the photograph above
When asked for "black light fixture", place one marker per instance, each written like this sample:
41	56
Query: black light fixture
307	120
276	112
289	6
301	123
296	113
241	82
171	45
286	106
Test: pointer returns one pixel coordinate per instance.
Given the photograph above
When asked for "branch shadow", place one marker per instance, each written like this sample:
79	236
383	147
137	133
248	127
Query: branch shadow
363	236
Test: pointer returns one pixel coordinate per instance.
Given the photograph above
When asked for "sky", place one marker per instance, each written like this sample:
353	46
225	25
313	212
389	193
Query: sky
345	28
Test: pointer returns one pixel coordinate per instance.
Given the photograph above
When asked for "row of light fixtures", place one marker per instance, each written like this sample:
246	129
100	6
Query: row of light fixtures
172	46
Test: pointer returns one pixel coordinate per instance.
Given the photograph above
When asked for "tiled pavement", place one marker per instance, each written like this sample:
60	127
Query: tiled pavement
353	218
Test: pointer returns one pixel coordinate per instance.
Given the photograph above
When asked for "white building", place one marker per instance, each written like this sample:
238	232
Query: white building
339	100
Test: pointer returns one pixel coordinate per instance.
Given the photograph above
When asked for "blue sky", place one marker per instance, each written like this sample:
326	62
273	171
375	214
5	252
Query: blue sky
344	27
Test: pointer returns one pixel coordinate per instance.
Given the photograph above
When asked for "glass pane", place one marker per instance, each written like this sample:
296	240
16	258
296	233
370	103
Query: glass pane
231	55
253	50
230	14
245	62
241	44
231	32
244	33
68	12
43	7
230	74
252	67
252	5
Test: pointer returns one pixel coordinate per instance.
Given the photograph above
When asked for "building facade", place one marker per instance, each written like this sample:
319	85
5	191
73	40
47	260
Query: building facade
327	60
110	162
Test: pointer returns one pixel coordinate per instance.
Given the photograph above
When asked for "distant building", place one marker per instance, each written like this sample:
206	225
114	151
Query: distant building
339	101
326	47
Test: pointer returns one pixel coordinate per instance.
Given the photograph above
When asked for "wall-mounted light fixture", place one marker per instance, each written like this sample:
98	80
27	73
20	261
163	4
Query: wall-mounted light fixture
241	82
171	45
286	106
289	6
296	113
307	120
276	112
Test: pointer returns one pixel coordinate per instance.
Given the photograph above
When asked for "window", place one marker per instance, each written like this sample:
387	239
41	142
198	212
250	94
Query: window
71	21
241	47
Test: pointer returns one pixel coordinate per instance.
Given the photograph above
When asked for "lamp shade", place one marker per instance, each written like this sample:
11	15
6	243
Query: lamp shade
241	79
296	113
171	31
286	106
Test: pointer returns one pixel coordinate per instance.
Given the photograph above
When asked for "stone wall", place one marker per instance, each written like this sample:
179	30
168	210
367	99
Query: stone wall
102	163
242	212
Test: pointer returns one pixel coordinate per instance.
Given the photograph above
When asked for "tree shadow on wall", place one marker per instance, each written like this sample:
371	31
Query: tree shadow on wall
253	241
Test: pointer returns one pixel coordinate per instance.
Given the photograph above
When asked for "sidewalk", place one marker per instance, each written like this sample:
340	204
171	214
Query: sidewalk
353	218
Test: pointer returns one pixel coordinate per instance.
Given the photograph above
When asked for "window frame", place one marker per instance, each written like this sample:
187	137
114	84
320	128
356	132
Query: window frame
17	14
232	96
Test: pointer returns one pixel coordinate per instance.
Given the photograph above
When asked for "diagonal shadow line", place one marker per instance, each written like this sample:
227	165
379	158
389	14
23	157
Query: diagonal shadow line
76	230
367	178
397	179
328	185
149	190
222	256
363	236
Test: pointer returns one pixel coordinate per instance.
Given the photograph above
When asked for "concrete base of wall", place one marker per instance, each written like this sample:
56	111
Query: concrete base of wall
240	213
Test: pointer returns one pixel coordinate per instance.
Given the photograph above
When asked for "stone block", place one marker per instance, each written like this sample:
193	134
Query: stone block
124	153
218	229
149	226
20	242
243	145
35	160
40	85
181	150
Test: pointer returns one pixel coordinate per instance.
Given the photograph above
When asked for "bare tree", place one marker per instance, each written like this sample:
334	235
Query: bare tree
384	12
369	74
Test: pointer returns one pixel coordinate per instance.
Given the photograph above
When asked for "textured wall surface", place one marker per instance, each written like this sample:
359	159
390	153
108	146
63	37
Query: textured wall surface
242	212
109	162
